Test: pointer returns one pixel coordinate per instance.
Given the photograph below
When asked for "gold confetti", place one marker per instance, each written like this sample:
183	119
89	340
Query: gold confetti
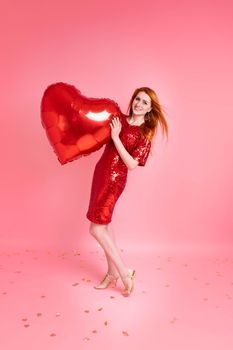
52	334
228	296
125	333
219	274
86	339
173	320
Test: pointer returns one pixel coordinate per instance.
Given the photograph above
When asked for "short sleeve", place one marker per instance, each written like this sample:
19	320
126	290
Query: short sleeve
141	151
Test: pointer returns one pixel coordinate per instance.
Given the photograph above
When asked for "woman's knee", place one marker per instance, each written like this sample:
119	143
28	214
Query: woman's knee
96	229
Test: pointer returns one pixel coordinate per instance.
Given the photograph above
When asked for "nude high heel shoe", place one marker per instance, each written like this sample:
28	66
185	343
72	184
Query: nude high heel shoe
108	279
127	291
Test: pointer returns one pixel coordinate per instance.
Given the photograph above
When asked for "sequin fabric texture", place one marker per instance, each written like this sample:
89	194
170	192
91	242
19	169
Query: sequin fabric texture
110	174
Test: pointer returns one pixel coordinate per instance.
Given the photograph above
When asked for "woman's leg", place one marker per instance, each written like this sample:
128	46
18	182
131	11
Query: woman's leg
104	237
112	270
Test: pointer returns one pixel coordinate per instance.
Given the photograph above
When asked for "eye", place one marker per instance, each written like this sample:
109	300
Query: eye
145	102
137	98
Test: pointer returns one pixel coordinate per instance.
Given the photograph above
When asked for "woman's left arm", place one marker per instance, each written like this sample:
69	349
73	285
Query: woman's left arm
129	161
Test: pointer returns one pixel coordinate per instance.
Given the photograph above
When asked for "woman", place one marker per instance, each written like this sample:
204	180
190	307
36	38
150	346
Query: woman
129	146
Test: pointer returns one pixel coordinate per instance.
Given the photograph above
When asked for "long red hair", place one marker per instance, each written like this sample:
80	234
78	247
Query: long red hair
153	118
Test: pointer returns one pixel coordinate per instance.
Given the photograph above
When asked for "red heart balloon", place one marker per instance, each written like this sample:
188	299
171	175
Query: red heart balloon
75	125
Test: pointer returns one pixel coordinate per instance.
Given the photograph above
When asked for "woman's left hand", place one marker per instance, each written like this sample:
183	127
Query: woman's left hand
115	127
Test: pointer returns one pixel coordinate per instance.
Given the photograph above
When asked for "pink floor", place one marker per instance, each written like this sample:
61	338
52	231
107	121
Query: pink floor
180	301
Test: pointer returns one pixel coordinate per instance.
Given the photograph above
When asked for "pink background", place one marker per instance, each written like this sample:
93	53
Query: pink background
181	201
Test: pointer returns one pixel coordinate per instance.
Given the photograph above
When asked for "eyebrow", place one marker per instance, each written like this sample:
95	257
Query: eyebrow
142	99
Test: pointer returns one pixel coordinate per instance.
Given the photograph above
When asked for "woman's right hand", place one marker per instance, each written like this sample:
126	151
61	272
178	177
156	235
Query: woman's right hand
115	125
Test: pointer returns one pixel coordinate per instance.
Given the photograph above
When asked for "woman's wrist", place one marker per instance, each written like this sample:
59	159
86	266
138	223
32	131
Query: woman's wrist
116	138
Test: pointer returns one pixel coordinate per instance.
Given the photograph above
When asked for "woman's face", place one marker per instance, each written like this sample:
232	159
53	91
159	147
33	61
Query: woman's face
141	104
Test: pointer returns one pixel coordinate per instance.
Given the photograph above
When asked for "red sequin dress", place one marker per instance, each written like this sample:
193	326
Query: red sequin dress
110	172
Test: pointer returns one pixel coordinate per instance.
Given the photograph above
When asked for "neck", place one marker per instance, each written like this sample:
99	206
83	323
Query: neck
137	119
